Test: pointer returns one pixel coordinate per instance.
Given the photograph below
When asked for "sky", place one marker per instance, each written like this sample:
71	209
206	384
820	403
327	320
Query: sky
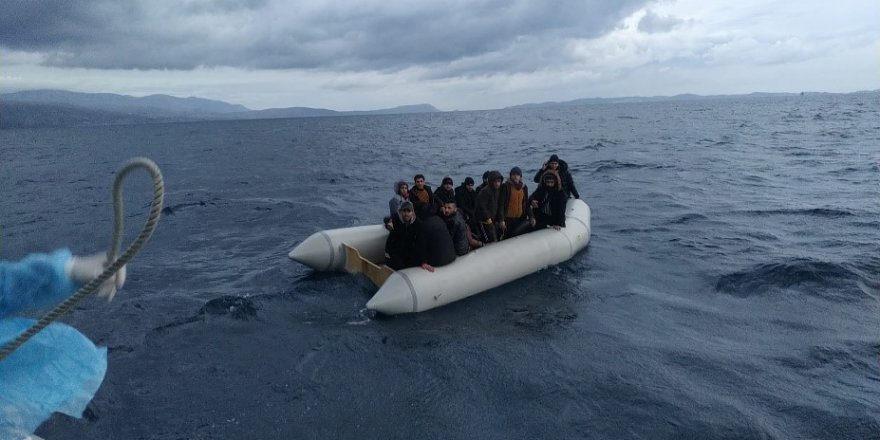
453	54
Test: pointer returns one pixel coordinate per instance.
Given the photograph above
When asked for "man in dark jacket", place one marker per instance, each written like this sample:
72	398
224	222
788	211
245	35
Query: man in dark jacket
514	205
434	244
488	208
561	167
548	203
445	193
458	229
466	198
400	246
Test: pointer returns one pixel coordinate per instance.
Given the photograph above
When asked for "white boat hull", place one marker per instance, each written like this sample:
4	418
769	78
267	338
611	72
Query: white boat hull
415	289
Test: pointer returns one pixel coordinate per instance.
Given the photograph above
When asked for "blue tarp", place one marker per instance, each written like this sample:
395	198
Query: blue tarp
58	370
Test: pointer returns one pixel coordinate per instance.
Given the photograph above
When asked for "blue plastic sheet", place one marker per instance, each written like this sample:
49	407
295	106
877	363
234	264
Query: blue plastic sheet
58	370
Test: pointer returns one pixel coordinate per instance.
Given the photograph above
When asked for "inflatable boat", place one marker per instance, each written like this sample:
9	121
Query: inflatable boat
361	250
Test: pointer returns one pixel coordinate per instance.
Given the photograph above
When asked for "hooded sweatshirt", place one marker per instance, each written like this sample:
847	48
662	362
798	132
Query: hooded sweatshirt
398	198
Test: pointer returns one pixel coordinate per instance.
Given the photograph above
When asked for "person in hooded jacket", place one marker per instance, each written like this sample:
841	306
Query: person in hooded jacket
401	194
466	199
400	246
488	208
561	168
548	203
514	205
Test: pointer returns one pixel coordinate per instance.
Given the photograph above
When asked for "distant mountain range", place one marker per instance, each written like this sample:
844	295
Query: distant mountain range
59	108
683	97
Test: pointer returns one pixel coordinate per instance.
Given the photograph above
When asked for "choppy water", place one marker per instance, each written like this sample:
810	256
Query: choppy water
730	289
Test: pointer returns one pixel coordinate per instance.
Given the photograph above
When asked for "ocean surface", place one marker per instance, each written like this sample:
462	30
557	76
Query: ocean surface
730	289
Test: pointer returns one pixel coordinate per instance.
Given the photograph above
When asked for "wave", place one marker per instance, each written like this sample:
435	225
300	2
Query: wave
687	218
606	165
842	280
813	212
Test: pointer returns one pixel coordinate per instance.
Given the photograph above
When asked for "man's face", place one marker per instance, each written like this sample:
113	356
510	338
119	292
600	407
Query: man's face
516	178
448	209
553	165
496	183
406	215
447	186
470	187
550	182
404	189
420	183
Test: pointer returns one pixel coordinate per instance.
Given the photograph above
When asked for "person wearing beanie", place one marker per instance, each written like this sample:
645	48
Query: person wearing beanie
485	181
466	199
488	208
561	168
514	205
445	193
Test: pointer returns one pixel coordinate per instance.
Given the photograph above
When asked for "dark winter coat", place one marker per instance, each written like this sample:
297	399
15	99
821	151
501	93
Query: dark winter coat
565	176
466	201
551	205
433	244
488	206
457	228
400	246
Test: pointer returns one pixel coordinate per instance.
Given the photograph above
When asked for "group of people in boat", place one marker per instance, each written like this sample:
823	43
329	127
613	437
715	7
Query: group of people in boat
430	228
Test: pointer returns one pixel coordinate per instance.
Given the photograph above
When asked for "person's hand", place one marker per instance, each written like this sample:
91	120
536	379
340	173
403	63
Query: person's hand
503	225
532	222
427	267
557	227
85	269
535	204
389	226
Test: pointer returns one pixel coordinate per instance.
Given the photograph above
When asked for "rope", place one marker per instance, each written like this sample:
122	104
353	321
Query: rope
91	286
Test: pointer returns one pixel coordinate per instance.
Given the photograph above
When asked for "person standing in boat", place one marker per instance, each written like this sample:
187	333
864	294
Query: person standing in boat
548	202
400	246
514	205
466	199
421	196
458	229
561	168
488	208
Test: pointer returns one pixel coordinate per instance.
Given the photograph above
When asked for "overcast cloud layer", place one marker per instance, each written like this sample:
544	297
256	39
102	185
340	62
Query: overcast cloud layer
453	54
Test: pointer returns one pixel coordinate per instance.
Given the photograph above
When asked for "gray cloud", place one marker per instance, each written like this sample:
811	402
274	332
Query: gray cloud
652	23
464	37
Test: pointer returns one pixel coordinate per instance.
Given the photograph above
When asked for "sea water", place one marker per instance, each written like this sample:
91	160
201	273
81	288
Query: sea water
730	289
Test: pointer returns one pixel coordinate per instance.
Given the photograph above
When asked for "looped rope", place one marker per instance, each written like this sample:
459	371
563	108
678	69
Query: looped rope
91	286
